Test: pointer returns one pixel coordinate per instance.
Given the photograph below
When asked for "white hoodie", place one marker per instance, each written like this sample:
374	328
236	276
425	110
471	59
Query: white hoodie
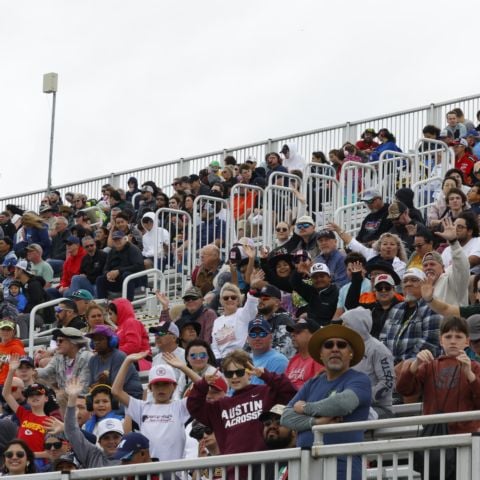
149	238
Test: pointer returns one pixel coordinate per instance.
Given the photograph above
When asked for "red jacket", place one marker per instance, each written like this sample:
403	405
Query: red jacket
434	379
71	267
132	335
465	164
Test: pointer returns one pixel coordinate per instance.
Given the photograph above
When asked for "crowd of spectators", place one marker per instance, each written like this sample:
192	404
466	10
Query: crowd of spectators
263	337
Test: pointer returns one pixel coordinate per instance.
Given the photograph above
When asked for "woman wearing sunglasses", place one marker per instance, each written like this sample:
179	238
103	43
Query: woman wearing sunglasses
200	359
234	420
18	458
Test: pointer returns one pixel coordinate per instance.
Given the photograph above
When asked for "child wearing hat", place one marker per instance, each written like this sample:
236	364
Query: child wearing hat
8	345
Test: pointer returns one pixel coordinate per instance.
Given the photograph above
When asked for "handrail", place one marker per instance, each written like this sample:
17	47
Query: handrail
31	326
143	273
320	430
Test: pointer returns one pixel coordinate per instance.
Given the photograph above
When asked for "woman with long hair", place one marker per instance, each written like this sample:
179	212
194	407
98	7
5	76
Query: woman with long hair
18	458
34	230
387	142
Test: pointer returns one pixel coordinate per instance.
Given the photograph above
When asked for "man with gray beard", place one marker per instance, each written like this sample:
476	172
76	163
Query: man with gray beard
411	326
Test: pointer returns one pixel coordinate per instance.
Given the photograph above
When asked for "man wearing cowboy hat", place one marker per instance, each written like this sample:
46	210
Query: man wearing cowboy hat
338	394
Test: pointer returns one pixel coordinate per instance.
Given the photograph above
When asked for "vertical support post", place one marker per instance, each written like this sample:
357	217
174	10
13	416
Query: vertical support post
50	155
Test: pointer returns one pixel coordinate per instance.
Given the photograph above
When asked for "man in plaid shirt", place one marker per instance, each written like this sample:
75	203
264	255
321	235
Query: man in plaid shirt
411	325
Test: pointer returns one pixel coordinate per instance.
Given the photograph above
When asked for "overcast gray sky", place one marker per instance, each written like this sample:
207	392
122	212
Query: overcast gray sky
143	82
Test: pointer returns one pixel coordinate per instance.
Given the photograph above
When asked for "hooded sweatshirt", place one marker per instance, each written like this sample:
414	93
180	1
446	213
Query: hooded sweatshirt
377	362
149	238
294	161
132	335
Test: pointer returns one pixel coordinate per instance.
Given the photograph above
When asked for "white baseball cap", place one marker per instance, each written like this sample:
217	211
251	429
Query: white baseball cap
384	278
161	373
320	268
109	425
415	273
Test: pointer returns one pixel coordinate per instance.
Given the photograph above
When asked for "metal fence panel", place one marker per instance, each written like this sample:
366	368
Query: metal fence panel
395	170
322	194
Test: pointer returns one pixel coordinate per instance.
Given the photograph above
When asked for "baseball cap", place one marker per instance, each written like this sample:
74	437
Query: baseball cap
193	292
384	278
117	235
165	327
68	332
45	208
305	219
72	239
303	324
214	164
25	266
81	294
101	330
35	389
131	443
109	425
460	141
415	273
396	209
147	188
66	458
370	194
161	373
219	384
325	234
9	262
27	361
319	268
7	324
432	257
277	410
270	291
260	323
474	326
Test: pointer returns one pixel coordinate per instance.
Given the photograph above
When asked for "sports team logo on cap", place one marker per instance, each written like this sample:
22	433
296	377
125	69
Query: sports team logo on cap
160	372
319	268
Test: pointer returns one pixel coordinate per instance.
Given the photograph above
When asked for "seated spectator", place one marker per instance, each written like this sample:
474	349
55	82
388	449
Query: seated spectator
56	446
301	367
39	266
282	235
9	229
196	311
260	342
458	176
166	336
148	240
332	257
132	335
406	338
454	129
403	224
230	329
147	202
82	299
121	223
337	159
9	345
367	143
188	331
122	260
101	238
305	228
434	376
8	270
82	224
451	284
376	222
438	209
71	267
94	315
211	229
204	275
377	361
67	315
469	125
197	187
464	159
33	230
387	142
422	244
6	250
200	358
388	248
104	365
70	360
19	458
321	295
274	164
292	159
150	414
473	196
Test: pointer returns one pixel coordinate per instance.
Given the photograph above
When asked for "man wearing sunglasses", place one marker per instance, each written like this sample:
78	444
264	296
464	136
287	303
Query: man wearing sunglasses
376	222
305	229
340	394
264	356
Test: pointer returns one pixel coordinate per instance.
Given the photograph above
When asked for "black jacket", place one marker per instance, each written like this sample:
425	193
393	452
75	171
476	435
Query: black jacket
374	224
92	267
128	260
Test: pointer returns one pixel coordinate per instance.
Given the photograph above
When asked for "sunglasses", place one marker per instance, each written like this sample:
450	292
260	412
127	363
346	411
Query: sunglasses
190	299
383	288
10	454
340	344
54	445
261	334
229	297
303	226
369	202
238	373
281	229
161	334
198	356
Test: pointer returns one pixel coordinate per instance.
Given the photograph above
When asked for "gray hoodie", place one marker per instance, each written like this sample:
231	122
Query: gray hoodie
377	362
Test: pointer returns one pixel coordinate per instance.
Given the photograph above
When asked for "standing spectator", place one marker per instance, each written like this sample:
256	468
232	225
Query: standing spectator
293	160
260	341
332	257
9	345
367	143
464	159
148	240
9	229
132	335
147	203
376	222
33	230
301	366
122	260
454	129
377	361
305	226
274	164
339	349
133	189
387	142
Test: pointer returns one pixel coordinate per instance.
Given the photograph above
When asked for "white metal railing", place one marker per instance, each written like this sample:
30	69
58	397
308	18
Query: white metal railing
407	126
395	170
159	283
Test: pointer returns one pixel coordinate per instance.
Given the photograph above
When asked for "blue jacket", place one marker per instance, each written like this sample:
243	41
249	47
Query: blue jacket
375	155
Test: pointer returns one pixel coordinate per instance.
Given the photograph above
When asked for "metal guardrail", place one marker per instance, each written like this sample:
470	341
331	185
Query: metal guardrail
406	125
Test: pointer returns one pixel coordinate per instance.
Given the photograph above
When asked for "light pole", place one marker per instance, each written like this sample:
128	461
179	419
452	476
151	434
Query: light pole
50	81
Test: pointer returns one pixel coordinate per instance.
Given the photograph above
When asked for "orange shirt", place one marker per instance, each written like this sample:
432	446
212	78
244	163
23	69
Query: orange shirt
6	349
369	297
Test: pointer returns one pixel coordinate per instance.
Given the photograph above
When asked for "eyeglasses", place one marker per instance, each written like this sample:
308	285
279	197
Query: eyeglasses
229	297
54	445
189	299
271	421
419	245
303	226
383	288
161	334
340	344
61	309
238	373
281	229
198	356
10	454
260	334
90	245
369	202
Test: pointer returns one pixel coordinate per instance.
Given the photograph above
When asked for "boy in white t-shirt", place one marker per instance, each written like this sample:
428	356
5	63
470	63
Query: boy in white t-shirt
159	419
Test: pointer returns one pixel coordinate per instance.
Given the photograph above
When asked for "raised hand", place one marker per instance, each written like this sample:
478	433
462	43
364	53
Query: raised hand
256	278
425	356
173	360
449	230
333	227
210	379
54	425
14	361
427	289
74	387
249	251
257	371
135	357
356	267
163	299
